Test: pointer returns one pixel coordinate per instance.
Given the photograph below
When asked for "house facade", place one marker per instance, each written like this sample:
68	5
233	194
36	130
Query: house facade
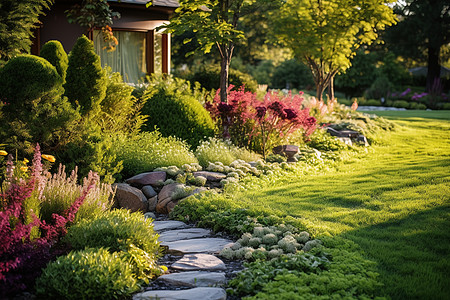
141	49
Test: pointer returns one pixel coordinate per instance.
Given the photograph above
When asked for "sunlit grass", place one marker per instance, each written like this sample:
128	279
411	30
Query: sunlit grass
394	202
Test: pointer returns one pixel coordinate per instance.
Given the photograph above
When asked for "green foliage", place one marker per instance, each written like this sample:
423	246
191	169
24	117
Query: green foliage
53	52
174	108
401	104
120	110
87	274
209	78
92	13
85	81
32	89
359	76
92	151
327	33
380	88
292	74
18	19
149	150
115	230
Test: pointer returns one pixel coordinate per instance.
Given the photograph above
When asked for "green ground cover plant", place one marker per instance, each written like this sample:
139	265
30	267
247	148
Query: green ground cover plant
392	204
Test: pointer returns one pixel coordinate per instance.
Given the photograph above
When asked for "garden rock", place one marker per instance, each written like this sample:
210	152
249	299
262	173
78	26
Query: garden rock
210	176
152	203
148	191
161	226
130	197
165	196
183	234
150	215
206	293
149	178
195	279
203	262
204	245
345	140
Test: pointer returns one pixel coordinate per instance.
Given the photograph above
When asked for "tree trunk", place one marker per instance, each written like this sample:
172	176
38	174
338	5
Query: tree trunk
320	87
224	70
331	88
434	69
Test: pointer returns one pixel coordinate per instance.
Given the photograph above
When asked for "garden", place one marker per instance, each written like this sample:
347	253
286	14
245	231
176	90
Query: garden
321	200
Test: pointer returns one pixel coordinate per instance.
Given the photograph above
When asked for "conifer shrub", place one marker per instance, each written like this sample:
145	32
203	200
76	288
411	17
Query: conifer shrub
174	108
26	78
32	89
87	274
53	51
85	81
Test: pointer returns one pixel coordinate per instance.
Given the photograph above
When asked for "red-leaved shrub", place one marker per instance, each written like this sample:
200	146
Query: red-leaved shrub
260	124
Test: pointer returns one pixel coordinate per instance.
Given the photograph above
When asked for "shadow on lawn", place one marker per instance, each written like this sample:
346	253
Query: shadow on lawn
413	253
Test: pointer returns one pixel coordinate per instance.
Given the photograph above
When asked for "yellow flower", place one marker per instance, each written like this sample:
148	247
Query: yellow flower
48	157
24	168
25	161
3	152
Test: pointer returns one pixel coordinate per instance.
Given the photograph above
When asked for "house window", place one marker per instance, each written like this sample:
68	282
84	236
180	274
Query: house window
129	57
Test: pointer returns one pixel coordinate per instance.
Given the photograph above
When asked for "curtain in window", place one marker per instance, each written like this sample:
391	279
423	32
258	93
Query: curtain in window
129	57
158	53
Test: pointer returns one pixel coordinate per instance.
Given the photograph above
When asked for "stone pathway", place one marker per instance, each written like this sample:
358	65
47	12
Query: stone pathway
194	270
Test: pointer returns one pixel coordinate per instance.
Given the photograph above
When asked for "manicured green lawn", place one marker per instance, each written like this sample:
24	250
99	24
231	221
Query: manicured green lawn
394	202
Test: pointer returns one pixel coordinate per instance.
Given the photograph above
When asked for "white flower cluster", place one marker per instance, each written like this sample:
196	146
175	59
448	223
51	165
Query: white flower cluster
269	242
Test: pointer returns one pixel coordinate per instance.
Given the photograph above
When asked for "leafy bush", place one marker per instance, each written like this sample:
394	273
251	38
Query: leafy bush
149	150
401	104
85	81
209	78
174	108
53	52
380	88
31	89
373	102
292	74
87	274
120	110
115	230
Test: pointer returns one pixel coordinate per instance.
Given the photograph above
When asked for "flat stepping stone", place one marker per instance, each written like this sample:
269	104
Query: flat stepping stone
183	234
204	245
202	262
195	279
168	225
203	293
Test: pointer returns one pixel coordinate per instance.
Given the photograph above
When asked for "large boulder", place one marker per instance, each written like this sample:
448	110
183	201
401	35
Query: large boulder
149	178
167	194
130	198
210	176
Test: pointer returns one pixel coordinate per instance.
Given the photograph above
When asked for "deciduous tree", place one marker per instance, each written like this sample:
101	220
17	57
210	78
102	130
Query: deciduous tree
326	33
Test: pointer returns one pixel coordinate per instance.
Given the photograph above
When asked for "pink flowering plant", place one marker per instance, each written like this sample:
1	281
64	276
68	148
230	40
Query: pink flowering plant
261	124
22	255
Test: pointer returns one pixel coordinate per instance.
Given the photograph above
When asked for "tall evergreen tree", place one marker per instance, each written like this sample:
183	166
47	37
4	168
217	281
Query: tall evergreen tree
18	19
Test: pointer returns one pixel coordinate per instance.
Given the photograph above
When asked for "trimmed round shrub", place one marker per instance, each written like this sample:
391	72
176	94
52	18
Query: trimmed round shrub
32	89
26	78
172	107
292	74
209	78
53	52
116	230
87	274
85	81
401	104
